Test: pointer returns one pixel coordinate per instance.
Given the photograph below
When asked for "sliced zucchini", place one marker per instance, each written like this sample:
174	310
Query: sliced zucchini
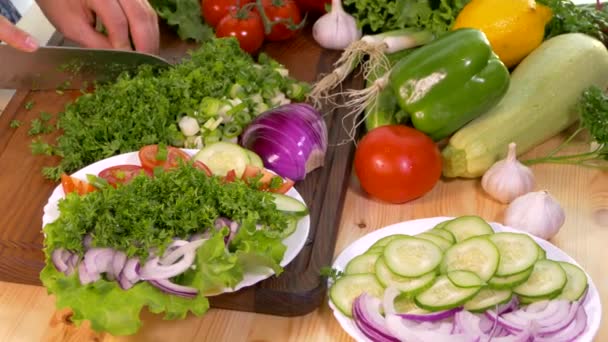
347	288
509	282
407	286
487	298
443	233
254	159
548	278
465	279
477	254
444	295
385	240
518	252
289	204
364	263
411	256
465	227
224	156
436	239
576	284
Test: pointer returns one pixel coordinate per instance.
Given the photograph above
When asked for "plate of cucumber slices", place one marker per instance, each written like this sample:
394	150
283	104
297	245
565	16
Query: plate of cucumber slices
461	279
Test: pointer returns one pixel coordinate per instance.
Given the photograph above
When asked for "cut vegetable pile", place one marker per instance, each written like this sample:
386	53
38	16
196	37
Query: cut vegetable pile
461	281
164	235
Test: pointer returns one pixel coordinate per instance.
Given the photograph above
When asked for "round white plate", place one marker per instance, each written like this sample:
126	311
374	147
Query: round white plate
294	243
592	303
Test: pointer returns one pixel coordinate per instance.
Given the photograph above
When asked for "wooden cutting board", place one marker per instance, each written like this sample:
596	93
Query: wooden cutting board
298	291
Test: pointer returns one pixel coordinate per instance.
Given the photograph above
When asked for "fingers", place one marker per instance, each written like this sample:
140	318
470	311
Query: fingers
115	21
143	24
15	37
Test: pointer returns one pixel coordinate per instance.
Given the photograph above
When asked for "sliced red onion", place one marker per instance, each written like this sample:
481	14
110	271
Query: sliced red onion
131	270
510	326
222	222
59	259
431	317
234	228
511	305
153	270
175	289
124	283
85	276
553	308
388	300
395	326
569	333
73	261
290	139
183	247
87	241
367	317
118	263
99	260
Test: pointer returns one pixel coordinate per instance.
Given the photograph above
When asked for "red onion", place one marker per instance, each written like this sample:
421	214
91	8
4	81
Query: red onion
395	326
153	270
60	259
131	270
98	260
431	317
366	313
85	276
569	333
183	248
176	289
290	139
118	263
124	283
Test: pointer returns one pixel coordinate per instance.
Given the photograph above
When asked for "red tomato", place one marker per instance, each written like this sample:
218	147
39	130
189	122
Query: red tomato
267	176
122	174
73	184
201	166
247	28
214	10
397	163
315	6
281	10
230	176
148	156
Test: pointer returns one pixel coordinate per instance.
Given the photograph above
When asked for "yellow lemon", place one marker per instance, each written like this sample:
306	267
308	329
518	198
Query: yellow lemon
513	27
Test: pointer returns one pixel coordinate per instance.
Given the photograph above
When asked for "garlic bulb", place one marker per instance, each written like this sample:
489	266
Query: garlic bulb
537	213
337	29
508	178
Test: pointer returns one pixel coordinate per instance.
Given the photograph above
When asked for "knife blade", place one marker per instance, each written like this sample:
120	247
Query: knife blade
62	67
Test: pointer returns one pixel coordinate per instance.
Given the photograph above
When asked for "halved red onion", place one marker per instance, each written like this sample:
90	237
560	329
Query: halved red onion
99	260
175	289
131	270
118	263
86	276
367	317
153	270
290	139
395	326
183	247
569	333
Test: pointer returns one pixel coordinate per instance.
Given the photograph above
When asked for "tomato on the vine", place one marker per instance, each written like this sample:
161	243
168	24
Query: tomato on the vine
285	11
214	11
246	26
397	163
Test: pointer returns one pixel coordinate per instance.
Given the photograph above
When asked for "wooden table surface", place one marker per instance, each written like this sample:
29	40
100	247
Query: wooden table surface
27	313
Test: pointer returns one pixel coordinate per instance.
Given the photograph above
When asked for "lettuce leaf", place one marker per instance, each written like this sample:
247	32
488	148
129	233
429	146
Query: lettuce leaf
185	16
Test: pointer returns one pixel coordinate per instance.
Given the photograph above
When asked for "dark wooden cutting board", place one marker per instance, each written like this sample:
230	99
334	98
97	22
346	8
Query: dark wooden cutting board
299	290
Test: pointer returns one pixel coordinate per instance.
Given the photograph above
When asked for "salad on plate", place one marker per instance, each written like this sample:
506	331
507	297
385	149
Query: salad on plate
164	228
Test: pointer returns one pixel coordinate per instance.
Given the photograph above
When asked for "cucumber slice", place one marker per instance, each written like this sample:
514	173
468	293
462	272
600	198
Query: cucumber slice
385	240
364	263
442	243
465	227
254	159
465	279
444	295
405	304
518	252
542	254
442	224
375	250
292	225
487	298
347	288
408	286
224	156
548	278
477	254
509	282
576	283
530	300
289	204
444	234
412	257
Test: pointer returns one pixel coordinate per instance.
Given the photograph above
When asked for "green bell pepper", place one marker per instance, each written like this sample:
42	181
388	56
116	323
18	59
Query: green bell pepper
449	82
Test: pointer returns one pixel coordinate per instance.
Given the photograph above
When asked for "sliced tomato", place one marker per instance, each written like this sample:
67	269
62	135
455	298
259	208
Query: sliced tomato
267	177
230	176
73	184
150	158
286	186
122	174
201	166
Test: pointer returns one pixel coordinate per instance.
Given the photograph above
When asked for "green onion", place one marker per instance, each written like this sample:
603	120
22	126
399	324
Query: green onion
242	117
232	130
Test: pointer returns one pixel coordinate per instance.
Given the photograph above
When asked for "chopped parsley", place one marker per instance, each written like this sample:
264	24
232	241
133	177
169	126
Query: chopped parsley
15	124
29	105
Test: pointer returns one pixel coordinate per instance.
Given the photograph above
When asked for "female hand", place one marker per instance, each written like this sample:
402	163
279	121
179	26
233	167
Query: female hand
15	37
76	19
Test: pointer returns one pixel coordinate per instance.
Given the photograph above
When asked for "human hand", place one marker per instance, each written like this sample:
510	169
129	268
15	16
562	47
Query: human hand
15	37
76	19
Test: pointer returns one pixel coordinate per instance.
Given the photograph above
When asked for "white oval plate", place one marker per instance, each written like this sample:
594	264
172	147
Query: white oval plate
592	303
295	242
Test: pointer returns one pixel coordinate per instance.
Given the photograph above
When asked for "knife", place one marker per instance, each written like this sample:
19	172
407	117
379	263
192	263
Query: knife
61	67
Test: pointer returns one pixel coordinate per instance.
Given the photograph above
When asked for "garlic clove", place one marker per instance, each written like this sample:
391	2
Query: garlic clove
336	30
508	179
537	213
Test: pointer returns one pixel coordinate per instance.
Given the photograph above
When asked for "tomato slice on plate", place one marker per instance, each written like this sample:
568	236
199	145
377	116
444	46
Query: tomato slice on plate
122	174
73	184
267	177
201	166
168	158
230	176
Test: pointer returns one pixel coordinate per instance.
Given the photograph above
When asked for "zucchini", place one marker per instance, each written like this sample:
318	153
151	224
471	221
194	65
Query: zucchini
541	102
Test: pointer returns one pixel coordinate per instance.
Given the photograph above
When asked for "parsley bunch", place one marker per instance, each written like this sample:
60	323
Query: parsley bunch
593	109
589	19
185	17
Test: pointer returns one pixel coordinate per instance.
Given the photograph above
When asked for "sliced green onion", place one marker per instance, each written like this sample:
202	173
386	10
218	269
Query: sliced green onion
236	91
232	130
242	118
